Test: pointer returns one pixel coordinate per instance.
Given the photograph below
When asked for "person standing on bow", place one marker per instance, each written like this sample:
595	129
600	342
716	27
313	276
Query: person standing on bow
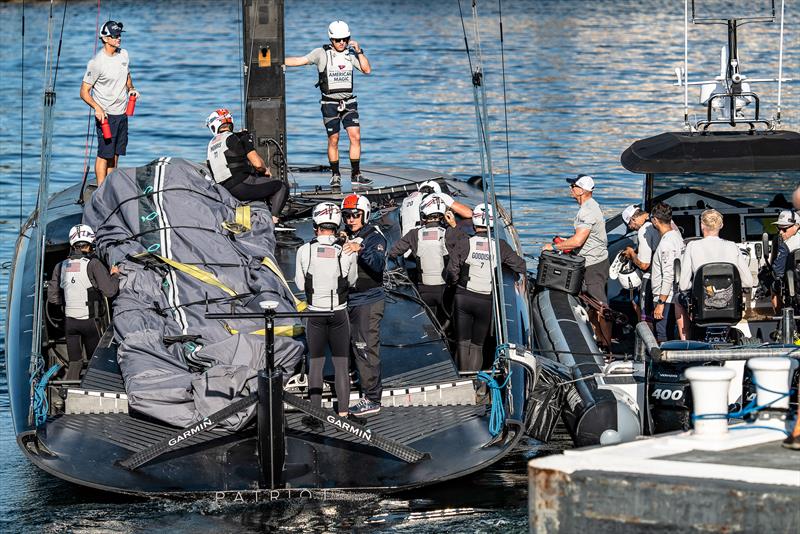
366	300
335	63
106	87
430	244
236	166
78	283
472	266
591	242
326	273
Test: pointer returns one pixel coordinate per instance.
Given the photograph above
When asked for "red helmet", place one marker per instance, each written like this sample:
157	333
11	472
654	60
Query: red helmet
357	202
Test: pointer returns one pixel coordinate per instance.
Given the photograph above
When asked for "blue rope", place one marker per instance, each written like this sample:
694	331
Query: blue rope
497	417
40	404
748	427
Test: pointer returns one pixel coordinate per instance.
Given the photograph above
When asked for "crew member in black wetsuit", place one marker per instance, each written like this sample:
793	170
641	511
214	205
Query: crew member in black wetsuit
366	300
430	244
326	273
472	264
235	164
77	283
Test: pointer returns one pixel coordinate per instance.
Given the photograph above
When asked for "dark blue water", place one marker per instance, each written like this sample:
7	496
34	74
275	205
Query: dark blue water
584	79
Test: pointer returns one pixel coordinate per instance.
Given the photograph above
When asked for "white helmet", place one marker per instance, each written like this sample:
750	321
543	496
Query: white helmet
481	213
357	202
338	29
81	233
327	214
431	186
217	118
432	204
626	272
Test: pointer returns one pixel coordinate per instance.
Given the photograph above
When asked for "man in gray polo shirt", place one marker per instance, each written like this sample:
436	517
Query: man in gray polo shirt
335	63
591	242
106	87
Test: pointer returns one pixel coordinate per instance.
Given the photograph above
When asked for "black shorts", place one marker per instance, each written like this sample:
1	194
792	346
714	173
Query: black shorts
118	143
333	119
594	280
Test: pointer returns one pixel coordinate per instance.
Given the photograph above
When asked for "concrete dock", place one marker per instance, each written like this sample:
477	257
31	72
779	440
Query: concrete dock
743	481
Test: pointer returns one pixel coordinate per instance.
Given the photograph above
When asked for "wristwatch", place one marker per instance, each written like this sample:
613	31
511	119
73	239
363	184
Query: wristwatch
360	51
659	301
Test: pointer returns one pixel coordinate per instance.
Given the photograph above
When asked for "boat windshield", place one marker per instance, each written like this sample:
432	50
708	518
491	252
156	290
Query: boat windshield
758	190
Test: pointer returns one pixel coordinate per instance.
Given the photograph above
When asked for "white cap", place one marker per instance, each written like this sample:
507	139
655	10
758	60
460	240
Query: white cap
583	181
627	213
787	218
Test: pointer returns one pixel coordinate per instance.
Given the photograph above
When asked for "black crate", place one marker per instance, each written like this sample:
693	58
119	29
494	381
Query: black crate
562	272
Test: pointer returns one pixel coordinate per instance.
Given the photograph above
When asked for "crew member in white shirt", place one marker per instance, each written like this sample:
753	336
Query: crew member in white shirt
712	249
667	313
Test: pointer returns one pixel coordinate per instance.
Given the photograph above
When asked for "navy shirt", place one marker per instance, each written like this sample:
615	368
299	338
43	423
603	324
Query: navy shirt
371	262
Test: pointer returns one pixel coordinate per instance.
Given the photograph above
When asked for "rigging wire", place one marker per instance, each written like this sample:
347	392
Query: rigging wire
505	110
247	66
240	53
482	119
21	115
90	133
60	41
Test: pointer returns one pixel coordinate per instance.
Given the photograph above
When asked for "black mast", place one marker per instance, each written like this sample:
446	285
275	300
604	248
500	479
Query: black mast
265	102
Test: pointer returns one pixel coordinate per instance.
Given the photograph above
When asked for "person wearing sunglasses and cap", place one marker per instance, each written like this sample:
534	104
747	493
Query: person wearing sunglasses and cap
788	224
591	242
106	87
335	63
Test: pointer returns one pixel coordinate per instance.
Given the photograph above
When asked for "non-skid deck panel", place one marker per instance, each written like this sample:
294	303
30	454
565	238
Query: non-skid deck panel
765	455
404	425
128	432
435	373
104	373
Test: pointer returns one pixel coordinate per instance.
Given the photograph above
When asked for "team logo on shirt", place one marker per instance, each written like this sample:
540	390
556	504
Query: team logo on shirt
482	246
430	235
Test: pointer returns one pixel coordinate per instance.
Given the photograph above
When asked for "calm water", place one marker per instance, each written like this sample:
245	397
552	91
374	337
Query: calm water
584	80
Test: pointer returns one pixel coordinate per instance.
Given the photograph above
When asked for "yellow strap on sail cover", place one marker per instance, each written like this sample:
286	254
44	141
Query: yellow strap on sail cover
272	266
243	216
289	330
241	222
193	271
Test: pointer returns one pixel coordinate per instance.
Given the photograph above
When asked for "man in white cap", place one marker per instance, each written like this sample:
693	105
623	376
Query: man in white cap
648	237
335	63
788	224
591	242
106	87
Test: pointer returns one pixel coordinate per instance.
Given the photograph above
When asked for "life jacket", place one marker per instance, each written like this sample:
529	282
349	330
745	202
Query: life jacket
366	278
431	251
325	286
337	77
80	296
476	273
224	162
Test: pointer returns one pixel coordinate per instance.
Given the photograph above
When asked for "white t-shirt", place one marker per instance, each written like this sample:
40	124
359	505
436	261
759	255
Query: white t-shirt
668	250
108	76
712	249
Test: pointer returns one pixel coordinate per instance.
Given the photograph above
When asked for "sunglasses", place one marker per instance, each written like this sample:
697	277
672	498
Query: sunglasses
342	40
351	214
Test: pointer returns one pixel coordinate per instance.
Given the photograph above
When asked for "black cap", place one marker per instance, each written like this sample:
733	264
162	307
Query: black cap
111	29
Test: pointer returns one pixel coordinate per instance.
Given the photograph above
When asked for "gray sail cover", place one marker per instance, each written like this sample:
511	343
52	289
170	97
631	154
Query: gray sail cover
168	211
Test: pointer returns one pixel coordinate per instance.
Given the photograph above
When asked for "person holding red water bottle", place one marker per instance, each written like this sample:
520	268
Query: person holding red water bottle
108	89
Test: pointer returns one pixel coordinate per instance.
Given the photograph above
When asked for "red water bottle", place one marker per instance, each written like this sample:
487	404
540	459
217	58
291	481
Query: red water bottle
131	105
106	129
